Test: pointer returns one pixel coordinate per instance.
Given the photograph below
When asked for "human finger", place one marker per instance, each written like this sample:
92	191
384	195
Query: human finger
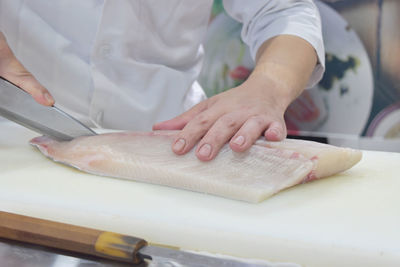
12	70
250	131
276	131
218	135
25	80
194	130
180	121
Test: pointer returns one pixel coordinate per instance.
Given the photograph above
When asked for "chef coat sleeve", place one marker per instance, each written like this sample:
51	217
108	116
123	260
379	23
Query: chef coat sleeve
264	19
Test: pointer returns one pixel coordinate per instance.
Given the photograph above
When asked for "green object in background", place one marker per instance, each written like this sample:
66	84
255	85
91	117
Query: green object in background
217	8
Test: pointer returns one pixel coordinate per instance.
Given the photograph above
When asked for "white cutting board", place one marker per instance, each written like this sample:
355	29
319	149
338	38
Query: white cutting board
352	219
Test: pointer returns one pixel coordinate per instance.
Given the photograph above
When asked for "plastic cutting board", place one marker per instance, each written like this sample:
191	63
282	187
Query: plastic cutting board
351	219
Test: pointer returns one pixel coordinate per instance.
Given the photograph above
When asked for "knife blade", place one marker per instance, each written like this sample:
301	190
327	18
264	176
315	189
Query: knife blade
18	254
20	107
107	245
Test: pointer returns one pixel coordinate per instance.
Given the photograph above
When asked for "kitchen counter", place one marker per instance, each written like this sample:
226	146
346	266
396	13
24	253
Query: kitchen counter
351	219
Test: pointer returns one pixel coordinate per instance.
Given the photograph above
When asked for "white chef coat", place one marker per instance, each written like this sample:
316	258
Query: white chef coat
126	64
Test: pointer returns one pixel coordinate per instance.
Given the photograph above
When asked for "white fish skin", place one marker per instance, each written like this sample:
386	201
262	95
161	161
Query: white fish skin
328	159
251	176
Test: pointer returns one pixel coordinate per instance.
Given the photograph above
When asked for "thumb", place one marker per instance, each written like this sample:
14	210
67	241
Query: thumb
180	121
12	70
25	80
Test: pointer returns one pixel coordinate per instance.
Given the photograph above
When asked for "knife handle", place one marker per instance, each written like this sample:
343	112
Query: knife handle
70	237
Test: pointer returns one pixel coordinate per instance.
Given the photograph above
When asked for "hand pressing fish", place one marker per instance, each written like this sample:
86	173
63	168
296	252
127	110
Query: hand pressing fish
254	175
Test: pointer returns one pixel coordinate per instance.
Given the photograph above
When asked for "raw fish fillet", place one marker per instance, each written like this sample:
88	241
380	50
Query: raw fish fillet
254	175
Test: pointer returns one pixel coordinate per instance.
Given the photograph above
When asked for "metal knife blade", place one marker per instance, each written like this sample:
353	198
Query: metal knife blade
18	254
20	107
162	256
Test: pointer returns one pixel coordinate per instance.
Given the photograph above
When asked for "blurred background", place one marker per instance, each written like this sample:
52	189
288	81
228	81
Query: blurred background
357	103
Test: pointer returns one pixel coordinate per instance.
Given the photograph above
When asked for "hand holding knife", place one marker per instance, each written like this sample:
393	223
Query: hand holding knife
20	107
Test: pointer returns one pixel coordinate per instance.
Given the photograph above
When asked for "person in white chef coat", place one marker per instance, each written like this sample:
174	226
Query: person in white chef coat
130	64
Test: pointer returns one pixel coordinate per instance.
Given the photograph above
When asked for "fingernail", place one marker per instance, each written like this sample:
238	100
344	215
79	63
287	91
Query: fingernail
205	150
179	145
239	140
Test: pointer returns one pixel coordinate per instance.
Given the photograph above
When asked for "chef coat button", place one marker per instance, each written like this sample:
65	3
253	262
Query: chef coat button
105	50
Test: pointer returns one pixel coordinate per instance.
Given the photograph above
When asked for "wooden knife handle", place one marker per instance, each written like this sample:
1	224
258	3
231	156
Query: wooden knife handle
70	237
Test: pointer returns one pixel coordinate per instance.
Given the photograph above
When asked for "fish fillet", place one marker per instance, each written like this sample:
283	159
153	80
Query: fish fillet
254	175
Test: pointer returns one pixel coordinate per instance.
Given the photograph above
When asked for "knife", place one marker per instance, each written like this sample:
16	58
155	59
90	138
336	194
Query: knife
19	254
20	107
108	245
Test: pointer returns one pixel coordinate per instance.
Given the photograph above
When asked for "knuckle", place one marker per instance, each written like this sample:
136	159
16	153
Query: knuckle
215	137
24	85
191	133
229	122
203	120
26	82
260	121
